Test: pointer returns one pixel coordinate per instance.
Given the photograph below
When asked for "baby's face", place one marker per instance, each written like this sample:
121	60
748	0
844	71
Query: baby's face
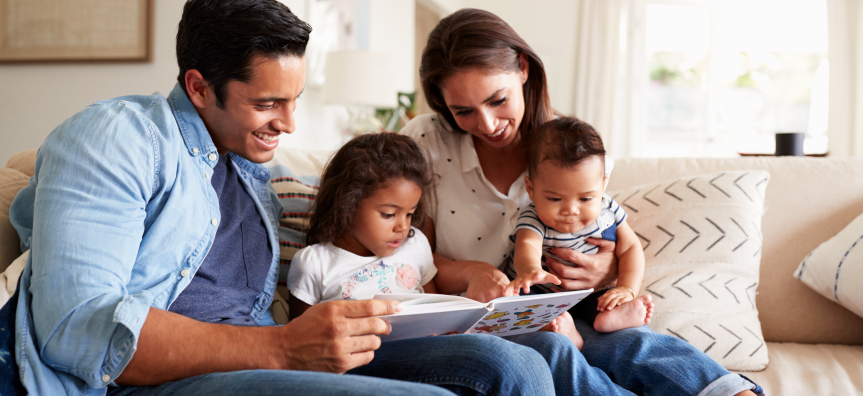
568	199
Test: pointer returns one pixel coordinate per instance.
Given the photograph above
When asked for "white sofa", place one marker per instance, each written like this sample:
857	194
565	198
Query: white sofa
815	346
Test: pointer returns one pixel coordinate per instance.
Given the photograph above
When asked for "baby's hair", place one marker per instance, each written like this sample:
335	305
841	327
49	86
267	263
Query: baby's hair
565	141
363	165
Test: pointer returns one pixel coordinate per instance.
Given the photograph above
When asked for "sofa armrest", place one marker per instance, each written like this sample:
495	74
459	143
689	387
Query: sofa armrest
25	162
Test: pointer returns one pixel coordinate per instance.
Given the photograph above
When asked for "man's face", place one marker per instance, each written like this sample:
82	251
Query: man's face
256	113
567	199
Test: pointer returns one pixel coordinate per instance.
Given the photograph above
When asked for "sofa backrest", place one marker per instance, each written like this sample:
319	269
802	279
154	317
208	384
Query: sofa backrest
808	201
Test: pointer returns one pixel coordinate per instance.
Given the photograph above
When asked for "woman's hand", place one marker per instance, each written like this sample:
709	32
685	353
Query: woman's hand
591	271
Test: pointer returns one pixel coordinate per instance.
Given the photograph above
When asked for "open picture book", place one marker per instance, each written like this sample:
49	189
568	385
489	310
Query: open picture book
433	314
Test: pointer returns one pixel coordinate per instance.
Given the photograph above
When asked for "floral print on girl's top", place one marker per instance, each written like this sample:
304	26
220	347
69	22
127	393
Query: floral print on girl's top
405	276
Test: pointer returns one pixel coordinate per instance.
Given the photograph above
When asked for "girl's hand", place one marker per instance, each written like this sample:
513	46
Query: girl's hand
531	277
488	284
613	298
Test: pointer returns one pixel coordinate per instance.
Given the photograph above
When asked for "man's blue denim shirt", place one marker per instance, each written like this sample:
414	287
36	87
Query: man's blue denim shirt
118	217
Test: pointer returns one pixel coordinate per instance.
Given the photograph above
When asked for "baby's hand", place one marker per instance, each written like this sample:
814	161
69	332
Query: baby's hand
531	277
612	298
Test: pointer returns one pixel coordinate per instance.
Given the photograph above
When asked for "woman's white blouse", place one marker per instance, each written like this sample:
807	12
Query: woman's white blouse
473	221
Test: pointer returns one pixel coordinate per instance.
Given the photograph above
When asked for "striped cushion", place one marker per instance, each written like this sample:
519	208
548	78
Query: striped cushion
835	268
297	196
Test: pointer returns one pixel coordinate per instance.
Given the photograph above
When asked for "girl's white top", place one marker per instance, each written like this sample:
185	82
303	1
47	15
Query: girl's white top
324	272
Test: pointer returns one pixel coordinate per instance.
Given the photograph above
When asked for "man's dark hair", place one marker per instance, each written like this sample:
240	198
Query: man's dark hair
565	141
221	38
356	171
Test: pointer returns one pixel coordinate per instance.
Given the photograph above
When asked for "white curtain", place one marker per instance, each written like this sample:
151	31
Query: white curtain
607	93
845	54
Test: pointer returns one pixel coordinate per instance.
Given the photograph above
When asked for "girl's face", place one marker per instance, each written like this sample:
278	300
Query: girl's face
488	105
383	220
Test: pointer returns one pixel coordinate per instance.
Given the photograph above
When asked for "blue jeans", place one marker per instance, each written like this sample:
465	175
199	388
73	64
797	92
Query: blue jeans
457	364
570	371
648	363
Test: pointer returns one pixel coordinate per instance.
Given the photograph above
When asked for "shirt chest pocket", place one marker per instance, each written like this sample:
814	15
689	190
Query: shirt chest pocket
257	255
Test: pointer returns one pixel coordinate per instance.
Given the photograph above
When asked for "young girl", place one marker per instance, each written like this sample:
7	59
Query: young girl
364	238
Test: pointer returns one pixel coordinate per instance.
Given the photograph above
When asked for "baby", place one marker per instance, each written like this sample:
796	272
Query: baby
566	182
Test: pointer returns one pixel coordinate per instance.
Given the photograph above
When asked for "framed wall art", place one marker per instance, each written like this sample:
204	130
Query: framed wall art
76	30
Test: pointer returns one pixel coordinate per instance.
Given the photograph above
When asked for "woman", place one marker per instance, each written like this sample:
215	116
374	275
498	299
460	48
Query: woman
489	88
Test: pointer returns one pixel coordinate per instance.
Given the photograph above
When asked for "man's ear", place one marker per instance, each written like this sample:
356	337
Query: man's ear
198	89
529	187
604	183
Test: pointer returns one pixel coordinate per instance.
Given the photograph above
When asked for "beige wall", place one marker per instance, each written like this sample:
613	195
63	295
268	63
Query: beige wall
35	98
549	27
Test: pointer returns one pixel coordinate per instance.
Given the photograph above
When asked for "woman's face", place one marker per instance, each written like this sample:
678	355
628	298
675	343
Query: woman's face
487	104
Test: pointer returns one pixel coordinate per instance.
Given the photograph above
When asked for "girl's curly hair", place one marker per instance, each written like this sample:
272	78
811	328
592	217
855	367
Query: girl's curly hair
356	171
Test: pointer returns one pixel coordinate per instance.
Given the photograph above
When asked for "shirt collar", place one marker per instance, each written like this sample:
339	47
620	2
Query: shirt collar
192	128
197	138
467	152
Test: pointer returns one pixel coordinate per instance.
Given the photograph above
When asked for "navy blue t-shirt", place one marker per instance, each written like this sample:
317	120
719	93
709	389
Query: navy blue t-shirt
234	271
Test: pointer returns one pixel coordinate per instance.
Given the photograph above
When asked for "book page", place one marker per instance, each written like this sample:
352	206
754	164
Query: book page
432	323
525	314
415	303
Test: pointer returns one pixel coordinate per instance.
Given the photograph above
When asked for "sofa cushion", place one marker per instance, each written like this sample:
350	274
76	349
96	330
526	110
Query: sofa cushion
702	246
24	162
11	181
809	200
295	177
803	369
835	268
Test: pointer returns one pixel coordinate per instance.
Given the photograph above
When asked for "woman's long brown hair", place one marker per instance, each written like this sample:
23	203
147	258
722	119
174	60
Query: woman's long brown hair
472	38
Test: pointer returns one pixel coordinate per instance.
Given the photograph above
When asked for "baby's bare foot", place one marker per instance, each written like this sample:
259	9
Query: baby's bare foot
634	313
563	324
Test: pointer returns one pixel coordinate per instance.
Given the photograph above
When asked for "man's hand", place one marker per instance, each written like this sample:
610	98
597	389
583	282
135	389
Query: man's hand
488	283
591	271
335	336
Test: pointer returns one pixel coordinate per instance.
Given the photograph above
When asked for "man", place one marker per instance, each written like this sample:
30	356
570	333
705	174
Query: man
153	262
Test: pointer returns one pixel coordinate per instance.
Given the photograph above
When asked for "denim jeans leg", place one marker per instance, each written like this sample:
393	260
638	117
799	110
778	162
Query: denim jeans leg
572	375
648	363
282	382
472	364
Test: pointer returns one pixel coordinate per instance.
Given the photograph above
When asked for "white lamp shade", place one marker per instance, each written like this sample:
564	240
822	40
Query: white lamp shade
362	78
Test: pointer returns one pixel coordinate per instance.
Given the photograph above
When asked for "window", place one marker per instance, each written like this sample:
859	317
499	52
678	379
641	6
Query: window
726	75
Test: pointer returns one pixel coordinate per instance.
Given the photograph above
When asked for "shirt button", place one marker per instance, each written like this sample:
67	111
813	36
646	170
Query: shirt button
106	378
184	273
214	221
213	157
194	150
207	176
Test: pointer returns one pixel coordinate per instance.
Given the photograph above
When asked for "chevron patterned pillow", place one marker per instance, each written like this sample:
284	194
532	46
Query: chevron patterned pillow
835	268
702	246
